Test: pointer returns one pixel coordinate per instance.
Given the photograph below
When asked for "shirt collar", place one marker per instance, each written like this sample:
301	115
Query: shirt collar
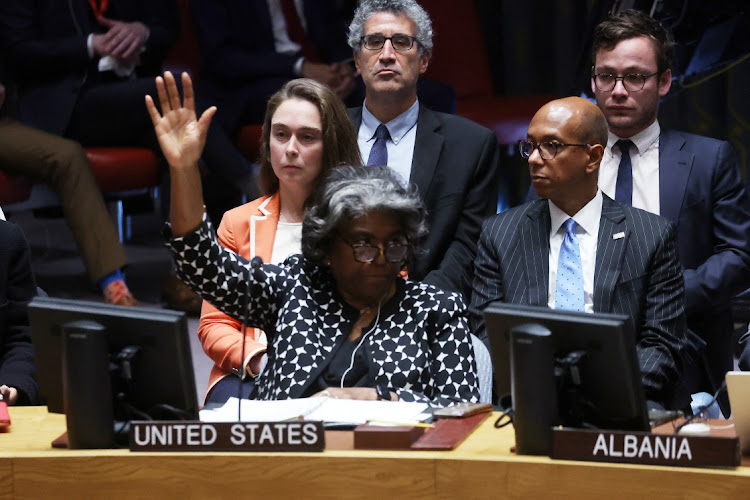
643	140
397	128
587	217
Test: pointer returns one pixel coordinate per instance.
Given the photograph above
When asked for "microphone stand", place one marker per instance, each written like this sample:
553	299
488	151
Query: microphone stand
254	271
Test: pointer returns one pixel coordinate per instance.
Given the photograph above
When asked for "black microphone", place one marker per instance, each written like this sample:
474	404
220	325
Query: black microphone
254	272
255	264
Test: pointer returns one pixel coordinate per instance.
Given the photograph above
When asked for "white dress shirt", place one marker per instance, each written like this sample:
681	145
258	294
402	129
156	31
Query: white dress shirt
287	241
587	232
644	158
403	131
280	36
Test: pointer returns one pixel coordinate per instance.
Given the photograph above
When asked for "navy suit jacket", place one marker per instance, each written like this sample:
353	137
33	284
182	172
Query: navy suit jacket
45	45
17	287
637	275
701	190
454	167
238	53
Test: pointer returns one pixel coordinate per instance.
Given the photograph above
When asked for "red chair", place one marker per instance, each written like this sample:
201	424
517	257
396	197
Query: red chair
122	173
13	189
123	169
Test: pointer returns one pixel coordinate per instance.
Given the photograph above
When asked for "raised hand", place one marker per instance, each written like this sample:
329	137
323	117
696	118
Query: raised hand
181	135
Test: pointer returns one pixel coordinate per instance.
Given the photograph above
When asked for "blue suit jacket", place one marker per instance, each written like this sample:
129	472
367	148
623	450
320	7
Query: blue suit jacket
637	275
701	190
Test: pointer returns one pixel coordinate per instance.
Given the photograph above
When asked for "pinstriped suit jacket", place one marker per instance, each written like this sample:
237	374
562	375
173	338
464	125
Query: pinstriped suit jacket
637	275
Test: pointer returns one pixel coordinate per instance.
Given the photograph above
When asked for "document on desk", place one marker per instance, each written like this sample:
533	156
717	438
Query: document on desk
329	410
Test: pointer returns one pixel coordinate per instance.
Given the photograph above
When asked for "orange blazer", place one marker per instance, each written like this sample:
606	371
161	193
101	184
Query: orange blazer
248	230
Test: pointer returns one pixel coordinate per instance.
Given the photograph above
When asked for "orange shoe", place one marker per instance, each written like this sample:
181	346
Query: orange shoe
117	293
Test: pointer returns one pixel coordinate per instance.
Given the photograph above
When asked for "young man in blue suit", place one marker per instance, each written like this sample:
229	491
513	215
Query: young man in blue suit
693	181
625	258
452	161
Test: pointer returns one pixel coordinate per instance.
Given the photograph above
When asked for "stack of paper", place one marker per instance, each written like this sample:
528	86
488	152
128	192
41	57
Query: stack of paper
329	410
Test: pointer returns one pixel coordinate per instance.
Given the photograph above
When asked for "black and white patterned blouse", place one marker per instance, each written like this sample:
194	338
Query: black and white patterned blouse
420	347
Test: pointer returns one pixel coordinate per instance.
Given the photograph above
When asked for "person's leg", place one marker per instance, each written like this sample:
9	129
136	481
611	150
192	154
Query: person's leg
230	387
62	164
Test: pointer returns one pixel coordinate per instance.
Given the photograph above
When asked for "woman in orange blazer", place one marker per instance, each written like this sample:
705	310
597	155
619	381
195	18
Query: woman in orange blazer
306	132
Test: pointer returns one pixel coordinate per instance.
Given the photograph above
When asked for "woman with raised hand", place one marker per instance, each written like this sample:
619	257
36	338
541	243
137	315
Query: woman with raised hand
339	319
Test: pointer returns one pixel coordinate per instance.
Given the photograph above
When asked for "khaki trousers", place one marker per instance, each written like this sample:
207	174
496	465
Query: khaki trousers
62	164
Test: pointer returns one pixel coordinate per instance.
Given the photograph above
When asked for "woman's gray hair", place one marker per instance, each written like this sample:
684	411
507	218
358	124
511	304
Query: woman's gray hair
409	8
350	192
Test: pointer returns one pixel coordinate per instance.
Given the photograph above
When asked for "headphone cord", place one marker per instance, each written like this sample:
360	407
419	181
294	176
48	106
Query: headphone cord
361	340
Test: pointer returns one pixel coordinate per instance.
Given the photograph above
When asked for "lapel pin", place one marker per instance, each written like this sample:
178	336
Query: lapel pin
617	236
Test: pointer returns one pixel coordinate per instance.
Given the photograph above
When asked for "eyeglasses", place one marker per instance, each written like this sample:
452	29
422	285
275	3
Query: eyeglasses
632	82
394	253
547	150
399	41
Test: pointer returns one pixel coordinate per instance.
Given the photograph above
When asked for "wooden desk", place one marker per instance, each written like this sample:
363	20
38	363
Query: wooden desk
481	467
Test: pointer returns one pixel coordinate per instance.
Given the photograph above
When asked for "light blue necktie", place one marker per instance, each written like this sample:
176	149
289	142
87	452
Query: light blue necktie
379	152
569	287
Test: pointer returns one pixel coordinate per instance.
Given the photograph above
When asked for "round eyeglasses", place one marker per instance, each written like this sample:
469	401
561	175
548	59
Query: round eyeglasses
633	82
399	41
547	150
395	253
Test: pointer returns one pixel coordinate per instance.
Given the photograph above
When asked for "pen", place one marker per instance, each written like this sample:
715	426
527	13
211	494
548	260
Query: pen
402	424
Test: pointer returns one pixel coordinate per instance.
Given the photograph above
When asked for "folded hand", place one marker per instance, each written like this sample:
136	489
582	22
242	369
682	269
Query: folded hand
123	41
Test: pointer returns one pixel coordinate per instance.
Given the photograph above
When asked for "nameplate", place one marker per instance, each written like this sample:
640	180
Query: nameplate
645	448
297	435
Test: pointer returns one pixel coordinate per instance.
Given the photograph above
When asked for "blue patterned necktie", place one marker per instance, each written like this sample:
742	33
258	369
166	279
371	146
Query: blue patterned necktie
379	152
569	287
624	186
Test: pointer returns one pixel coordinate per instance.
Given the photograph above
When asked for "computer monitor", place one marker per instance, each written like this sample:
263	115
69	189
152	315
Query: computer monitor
609	373
161	369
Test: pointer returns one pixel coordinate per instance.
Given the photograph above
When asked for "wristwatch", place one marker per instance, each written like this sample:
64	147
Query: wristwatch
383	393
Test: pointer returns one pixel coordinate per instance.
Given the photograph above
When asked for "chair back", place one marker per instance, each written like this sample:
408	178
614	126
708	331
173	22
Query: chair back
484	369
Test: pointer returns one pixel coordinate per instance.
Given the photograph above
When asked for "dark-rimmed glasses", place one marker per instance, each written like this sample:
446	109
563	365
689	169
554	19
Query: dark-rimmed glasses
547	150
394	252
632	82
399	41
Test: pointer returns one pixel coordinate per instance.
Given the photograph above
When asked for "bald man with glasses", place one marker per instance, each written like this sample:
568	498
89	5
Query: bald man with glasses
577	249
